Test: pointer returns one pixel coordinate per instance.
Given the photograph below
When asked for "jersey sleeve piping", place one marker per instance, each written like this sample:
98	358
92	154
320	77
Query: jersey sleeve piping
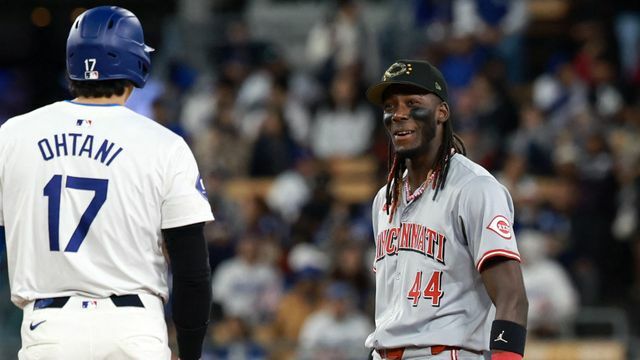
497	253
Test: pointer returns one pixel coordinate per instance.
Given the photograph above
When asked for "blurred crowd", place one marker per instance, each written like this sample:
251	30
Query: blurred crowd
554	116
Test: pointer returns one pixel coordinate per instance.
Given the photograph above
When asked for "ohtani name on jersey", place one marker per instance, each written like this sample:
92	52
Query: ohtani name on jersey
81	145
411	237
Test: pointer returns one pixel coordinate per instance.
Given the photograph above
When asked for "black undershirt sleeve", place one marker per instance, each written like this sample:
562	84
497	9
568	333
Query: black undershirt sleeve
189	260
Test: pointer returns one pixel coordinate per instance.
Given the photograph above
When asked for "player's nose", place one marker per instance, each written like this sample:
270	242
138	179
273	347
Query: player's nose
394	117
400	115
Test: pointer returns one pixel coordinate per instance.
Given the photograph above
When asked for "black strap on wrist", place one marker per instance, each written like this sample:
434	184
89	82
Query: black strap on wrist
508	336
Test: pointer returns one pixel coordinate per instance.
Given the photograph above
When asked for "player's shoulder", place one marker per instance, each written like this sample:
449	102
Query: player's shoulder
381	192
463	166
472	186
150	133
380	197
15	123
151	127
465	173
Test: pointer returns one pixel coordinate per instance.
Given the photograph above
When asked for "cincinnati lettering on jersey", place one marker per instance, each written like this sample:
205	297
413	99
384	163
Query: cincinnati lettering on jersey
411	237
81	145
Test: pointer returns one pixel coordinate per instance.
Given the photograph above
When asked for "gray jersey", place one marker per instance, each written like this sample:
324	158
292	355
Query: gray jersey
428	286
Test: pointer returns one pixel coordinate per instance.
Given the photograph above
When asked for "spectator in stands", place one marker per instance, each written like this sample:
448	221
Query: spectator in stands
314	212
533	140
232	339
341	41
17	93
499	25
216	183
294	112
496	116
559	93
306	258
204	103
462	60
627	31
303	299
259	219
219	242
238	48
343	126
274	151
246	286
336	331
553	301
466	125
222	137
605	95
349	267
592	217
292	189
496	109
522	187
165	116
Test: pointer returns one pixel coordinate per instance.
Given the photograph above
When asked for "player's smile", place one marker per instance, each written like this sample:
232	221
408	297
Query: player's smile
409	135
403	135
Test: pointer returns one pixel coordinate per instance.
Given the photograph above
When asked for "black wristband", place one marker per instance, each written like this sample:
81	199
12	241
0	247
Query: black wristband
508	336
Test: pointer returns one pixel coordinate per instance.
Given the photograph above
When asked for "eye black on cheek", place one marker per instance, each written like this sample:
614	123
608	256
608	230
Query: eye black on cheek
386	118
420	114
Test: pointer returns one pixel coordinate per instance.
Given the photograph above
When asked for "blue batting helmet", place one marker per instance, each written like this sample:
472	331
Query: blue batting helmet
107	43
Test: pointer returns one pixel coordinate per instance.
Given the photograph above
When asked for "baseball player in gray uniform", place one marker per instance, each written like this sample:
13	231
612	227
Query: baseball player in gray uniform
448	279
90	193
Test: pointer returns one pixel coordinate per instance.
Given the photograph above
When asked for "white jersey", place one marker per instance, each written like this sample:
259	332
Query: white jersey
428	286
84	193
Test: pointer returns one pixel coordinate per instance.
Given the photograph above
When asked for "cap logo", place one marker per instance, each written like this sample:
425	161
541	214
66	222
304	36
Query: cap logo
438	87
396	69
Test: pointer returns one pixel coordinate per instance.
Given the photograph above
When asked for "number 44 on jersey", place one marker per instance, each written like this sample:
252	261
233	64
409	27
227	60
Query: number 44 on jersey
432	290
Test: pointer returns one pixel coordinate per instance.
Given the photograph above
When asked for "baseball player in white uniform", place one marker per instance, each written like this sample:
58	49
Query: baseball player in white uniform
90	193
448	279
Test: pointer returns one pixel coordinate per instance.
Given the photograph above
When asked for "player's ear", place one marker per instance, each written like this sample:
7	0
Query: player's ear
442	112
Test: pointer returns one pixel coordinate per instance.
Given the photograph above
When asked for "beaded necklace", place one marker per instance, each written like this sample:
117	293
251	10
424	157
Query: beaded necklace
409	197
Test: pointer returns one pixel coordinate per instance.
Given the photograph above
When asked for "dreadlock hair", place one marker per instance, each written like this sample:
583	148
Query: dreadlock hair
451	143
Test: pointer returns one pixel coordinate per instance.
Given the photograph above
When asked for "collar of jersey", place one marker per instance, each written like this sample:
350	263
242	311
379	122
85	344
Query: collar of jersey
83	104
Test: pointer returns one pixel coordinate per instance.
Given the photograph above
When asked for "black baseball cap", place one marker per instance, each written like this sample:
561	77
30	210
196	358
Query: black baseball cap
418	73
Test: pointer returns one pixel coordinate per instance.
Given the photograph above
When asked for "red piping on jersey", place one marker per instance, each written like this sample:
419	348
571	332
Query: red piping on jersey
497	252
